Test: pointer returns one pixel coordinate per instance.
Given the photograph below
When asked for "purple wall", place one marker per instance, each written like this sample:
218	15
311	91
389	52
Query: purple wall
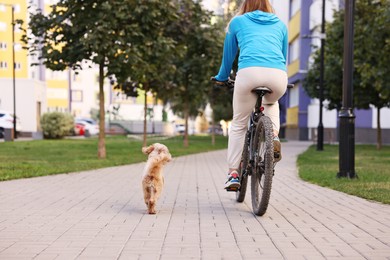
305	44
363	118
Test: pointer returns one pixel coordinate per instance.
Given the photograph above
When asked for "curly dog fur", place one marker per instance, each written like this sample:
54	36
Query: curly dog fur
153	179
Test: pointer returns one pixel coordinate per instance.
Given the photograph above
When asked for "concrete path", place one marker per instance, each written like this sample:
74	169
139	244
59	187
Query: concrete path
100	215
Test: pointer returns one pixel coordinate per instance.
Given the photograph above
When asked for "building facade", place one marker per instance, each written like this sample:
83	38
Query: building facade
26	82
301	112
40	90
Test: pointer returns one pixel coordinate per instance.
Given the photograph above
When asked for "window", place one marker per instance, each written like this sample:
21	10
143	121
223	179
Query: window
77	96
294	97
3	45
294	50
17	8
295	6
18	28
3	65
3	26
18	46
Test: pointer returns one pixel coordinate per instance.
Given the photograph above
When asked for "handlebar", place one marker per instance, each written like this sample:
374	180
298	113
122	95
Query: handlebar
228	83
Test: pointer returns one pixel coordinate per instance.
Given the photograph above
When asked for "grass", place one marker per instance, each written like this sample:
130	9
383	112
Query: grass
45	157
371	165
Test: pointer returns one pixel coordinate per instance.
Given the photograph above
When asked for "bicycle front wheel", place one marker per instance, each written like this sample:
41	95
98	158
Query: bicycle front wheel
261	181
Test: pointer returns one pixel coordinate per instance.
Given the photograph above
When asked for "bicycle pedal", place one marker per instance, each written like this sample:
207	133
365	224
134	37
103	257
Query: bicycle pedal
232	189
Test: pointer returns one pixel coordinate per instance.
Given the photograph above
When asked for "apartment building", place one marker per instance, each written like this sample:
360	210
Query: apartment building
29	87
302	112
38	89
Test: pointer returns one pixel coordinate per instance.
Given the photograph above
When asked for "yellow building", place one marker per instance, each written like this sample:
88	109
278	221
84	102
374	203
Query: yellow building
58	96
21	60
24	94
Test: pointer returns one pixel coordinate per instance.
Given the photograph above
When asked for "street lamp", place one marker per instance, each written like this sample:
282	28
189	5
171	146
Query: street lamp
13	61
346	115
320	128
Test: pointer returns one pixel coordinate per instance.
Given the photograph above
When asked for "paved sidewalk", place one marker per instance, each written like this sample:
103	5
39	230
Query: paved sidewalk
101	215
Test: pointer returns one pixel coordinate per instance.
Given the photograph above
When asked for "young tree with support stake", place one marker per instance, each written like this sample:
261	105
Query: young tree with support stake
112	34
196	39
152	50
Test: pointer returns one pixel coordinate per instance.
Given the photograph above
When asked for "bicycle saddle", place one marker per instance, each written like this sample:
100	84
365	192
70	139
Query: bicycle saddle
261	90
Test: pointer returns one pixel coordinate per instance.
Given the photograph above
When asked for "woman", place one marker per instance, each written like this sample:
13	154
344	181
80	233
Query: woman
262	40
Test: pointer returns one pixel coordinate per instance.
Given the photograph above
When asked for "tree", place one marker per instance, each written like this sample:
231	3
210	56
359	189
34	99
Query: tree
149	57
75	31
373	56
371	72
195	38
221	99
122	37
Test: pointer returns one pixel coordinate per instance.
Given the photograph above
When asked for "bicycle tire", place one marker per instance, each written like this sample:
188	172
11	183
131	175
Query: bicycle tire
240	194
261	180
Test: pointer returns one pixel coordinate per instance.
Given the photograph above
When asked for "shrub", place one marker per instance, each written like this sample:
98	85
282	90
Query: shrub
56	125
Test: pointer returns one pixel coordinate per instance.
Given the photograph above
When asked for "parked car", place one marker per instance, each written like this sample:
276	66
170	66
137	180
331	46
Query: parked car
217	130
79	129
89	126
7	122
180	128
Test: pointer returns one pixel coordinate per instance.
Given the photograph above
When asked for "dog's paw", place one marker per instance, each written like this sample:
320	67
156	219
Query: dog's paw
152	212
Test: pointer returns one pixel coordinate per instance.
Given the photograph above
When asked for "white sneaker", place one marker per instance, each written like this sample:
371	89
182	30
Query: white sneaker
233	182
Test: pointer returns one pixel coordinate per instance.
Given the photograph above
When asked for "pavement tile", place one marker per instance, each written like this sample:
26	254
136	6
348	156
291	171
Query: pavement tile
99	215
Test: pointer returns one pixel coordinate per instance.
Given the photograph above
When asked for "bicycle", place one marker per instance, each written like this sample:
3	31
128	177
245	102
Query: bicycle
257	158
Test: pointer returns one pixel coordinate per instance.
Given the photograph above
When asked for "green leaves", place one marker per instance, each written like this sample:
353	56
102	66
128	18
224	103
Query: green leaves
198	50
371	57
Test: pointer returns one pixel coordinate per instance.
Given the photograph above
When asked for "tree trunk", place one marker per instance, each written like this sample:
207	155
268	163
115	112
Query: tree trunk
102	142
145	114
379	130
186	112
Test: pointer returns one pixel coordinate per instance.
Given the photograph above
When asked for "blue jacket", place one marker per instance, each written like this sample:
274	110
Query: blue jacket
262	40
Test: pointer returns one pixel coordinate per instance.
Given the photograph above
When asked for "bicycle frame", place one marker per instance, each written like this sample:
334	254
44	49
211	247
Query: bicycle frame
254	118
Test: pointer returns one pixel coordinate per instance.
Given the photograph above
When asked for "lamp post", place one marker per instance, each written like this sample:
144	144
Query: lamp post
70	90
346	115
13	64
320	128
13	67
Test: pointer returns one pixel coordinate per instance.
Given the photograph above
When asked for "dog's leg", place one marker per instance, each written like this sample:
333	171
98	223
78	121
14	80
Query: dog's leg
146	197
151	207
152	201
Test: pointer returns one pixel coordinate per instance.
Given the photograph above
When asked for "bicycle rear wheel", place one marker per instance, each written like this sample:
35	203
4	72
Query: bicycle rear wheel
261	180
240	194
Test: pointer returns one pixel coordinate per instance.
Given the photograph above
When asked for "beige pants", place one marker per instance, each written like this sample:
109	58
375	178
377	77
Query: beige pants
244	102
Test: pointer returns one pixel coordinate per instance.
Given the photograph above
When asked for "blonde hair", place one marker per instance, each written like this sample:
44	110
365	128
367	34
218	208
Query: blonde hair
253	5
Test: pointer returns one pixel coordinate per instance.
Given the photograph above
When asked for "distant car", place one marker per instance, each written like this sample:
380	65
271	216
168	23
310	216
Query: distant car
89	126
217	130
79	129
180	128
7	122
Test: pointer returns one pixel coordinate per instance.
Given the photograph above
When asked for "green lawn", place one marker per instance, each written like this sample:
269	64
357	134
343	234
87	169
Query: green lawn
371	165
44	157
